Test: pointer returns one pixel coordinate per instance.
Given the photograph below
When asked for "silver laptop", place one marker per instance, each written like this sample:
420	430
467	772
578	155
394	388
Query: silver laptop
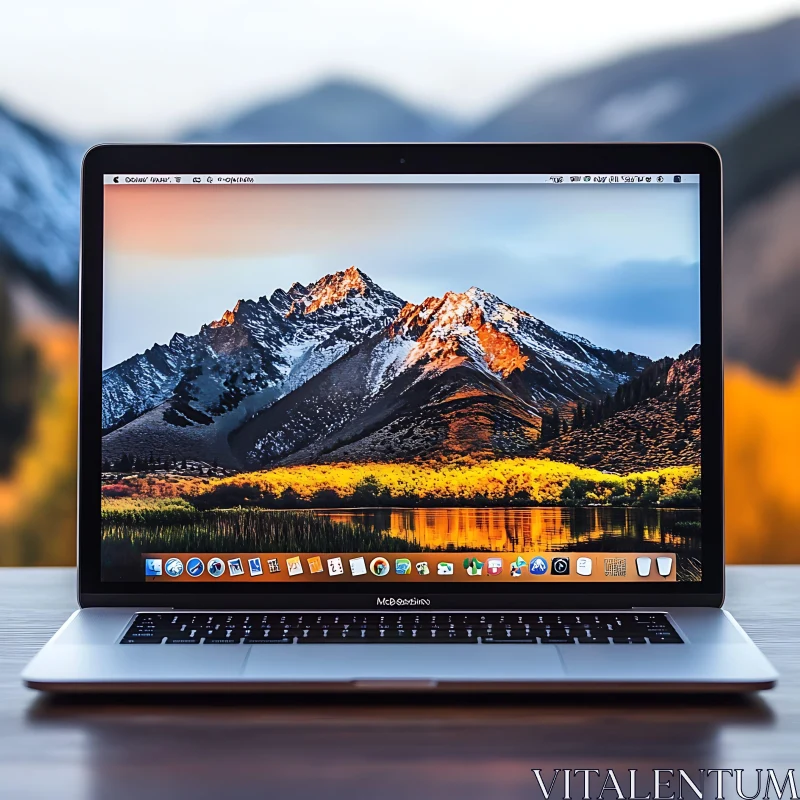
401	417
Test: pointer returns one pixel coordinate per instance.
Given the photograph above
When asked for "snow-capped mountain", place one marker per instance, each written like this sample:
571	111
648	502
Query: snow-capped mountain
234	366
343	368
502	341
466	372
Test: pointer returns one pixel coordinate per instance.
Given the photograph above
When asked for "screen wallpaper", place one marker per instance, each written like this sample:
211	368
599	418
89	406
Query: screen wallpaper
382	382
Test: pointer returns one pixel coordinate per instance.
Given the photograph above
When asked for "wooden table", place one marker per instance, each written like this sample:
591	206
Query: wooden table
376	747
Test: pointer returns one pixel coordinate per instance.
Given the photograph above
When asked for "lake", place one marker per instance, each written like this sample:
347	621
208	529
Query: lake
527	529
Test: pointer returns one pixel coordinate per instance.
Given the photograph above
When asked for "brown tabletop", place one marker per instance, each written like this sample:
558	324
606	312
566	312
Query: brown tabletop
379	747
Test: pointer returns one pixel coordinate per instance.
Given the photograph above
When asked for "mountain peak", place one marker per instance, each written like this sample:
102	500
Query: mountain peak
459	325
331	290
481	296
228	318
494	309
472	308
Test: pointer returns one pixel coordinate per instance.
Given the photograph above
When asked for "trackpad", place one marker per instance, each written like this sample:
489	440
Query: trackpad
352	662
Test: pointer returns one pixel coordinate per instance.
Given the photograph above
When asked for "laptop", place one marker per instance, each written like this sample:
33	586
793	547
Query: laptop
401	417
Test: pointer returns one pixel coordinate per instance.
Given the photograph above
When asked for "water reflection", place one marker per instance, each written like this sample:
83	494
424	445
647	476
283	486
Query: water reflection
526	529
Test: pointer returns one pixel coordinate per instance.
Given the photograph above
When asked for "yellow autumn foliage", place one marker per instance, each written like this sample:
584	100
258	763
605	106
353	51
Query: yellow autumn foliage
542	481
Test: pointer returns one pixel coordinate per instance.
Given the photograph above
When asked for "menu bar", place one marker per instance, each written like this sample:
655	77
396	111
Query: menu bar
415	567
571	179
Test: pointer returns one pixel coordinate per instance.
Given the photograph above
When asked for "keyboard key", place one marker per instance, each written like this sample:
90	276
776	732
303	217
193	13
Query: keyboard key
558	640
134	639
223	640
262	640
490	640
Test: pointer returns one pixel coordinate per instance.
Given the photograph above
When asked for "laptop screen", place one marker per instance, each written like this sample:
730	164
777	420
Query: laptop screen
401	378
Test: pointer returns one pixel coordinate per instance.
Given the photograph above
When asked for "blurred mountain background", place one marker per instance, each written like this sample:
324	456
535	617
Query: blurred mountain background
741	92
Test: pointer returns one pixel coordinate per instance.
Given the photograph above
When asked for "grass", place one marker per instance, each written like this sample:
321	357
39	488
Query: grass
147	526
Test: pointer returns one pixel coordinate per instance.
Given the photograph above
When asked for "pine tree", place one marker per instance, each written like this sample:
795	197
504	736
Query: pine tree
544	430
551	426
183	464
577	418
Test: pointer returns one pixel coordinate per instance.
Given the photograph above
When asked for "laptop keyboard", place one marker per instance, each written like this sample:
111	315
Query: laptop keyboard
376	628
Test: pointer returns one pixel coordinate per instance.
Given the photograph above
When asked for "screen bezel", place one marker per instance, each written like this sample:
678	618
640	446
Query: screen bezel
683	158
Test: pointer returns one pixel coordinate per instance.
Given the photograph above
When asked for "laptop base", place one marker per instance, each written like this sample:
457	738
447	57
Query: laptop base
85	656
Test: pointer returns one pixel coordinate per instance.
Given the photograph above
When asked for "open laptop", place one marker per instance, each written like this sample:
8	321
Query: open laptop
401	417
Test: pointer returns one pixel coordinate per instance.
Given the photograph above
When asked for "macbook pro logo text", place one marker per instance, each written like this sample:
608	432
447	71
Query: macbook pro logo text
403	601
